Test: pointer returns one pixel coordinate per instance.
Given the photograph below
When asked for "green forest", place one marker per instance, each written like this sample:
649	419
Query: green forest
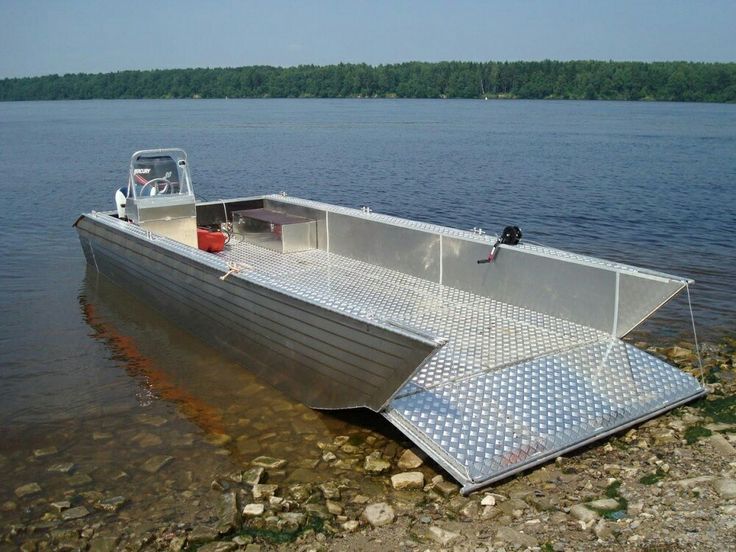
589	80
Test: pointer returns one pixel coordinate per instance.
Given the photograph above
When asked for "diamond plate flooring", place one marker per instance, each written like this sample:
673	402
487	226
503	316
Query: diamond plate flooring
510	388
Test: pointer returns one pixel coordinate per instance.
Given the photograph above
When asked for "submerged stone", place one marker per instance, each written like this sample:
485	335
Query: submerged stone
65	467
269	462
409	460
155	463
74	513
374	463
61	505
263	491
48	451
79	479
112	504
148	419
27	489
253	476
228	513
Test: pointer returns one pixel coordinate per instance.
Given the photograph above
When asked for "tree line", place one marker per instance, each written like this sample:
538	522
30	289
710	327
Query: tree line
590	80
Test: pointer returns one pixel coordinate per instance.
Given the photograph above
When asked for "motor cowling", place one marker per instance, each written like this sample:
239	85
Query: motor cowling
121	196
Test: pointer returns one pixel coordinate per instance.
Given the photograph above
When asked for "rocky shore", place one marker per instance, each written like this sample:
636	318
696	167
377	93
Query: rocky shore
669	484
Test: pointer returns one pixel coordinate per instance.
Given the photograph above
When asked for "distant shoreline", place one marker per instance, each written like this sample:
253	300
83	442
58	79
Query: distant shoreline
671	81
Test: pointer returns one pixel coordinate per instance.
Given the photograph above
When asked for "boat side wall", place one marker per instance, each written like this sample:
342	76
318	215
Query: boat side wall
319	357
605	296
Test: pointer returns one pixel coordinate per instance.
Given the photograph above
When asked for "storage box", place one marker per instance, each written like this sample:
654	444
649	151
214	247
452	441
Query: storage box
275	230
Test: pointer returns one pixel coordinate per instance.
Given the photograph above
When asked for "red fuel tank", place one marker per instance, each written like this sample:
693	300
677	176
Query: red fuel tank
210	241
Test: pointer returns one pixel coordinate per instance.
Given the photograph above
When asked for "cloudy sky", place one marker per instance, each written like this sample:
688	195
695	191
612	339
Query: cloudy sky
39	37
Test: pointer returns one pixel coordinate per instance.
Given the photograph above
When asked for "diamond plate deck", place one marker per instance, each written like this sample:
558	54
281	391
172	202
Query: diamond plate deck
511	388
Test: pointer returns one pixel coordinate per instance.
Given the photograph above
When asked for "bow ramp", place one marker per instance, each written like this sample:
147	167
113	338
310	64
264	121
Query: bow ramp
488	425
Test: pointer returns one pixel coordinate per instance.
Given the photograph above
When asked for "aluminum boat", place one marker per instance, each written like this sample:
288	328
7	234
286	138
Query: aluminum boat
491	355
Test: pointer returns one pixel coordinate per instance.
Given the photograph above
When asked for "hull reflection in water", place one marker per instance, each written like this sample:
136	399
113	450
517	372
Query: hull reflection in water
154	380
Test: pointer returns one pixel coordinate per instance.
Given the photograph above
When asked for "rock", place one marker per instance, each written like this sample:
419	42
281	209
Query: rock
374	463
318	510
295	519
408	480
201	534
693	481
242	540
155	463
379	514
350	526
228	514
603	530
61	505
300	492
471	510
329	456
48	451
488	500
665	436
66	467
148	419
409	460
218	439
726	488
101	435
579	511
334	507
8	506
261	491
350	449
27	489
721	445
217	546
679	353
79	480
146	440
252	547
177	544
446	488
269	463
253	476
112	504
330	490
360	499
103	544
604	504
253	510
442	536
74	513
514	537
513	507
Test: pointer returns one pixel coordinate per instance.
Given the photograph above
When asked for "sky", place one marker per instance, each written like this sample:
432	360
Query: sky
39	37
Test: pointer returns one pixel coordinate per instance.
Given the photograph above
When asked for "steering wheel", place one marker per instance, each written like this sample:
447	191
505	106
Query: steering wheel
155	182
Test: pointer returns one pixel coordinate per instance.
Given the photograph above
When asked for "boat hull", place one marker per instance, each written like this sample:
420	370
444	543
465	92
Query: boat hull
317	356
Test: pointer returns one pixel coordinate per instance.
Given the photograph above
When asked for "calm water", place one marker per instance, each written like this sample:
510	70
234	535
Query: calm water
85	368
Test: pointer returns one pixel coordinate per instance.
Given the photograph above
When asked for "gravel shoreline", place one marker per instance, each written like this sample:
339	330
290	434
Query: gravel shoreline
668	484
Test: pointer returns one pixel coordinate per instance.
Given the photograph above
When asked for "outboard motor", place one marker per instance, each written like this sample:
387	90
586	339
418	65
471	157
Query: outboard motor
121	196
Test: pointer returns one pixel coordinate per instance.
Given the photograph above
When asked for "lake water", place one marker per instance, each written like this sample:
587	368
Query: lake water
90	373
